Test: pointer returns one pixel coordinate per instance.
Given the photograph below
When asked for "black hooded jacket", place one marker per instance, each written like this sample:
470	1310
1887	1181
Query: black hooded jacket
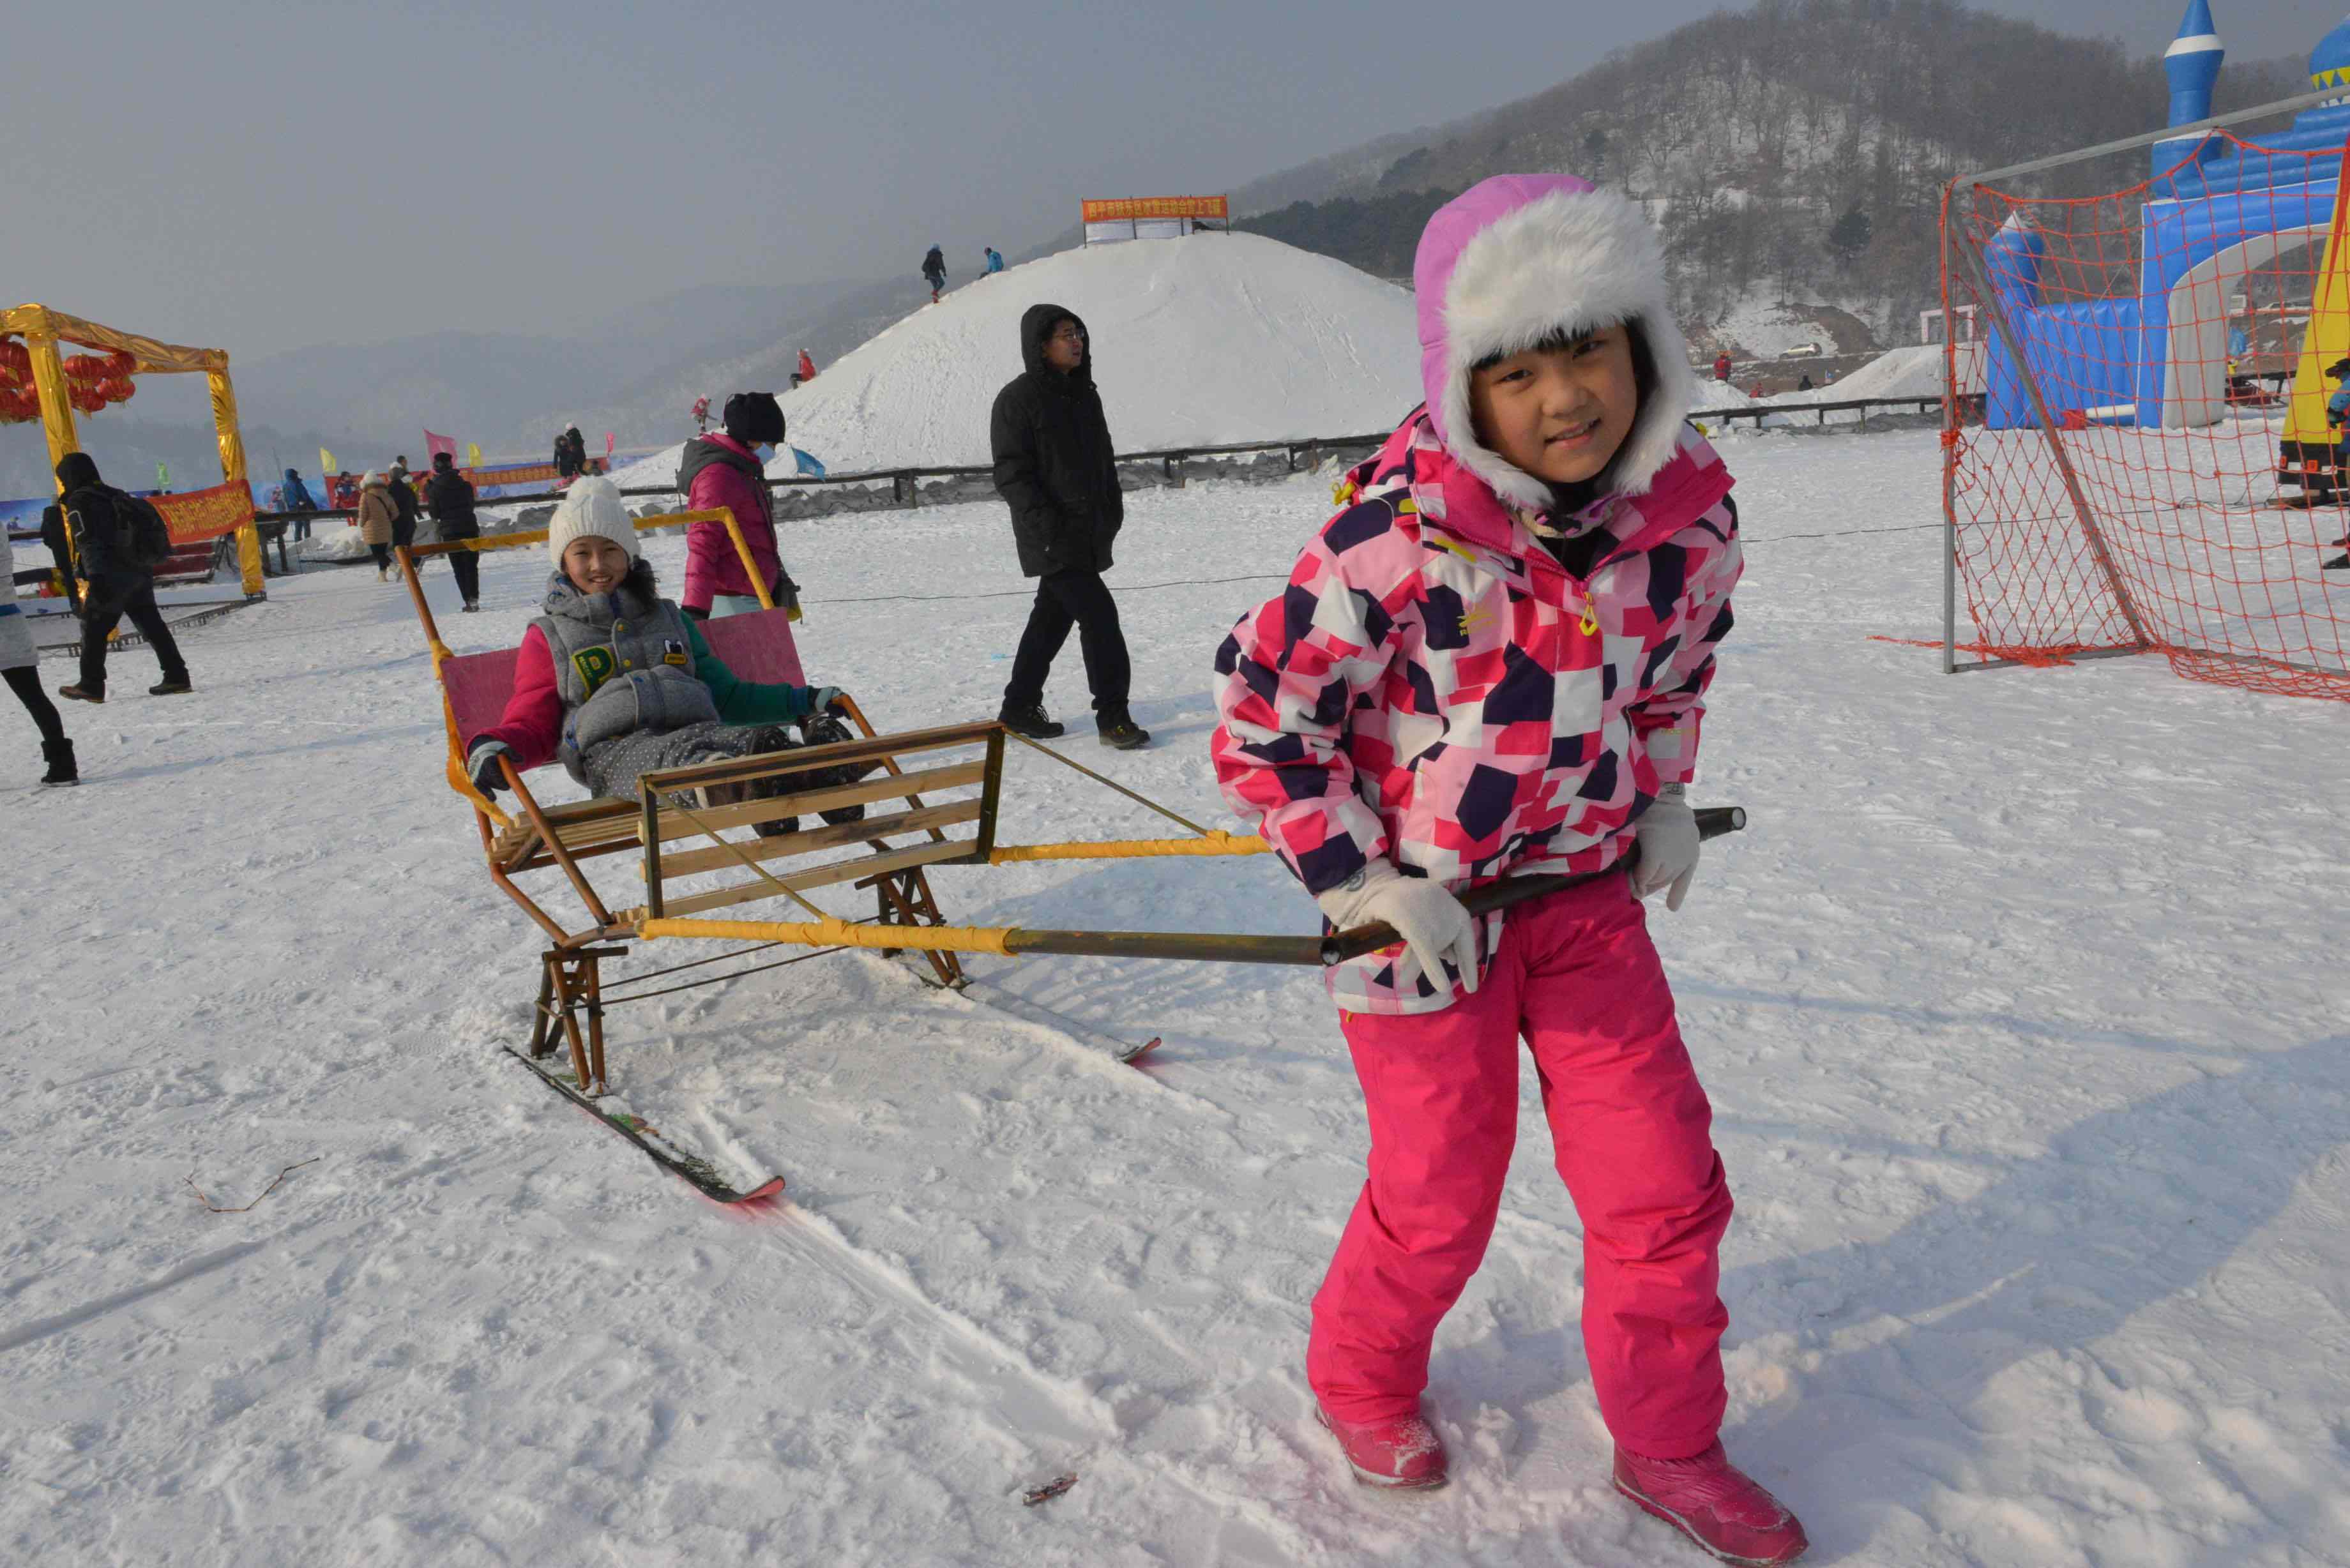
1054	463
97	514
450	495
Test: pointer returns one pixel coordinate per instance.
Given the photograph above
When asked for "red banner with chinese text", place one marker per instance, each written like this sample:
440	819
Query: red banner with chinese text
195	515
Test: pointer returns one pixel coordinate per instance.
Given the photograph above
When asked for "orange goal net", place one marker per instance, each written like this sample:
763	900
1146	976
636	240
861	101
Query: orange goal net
2143	452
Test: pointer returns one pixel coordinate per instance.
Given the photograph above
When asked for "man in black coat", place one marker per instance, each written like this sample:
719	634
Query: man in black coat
98	519
449	494
1054	468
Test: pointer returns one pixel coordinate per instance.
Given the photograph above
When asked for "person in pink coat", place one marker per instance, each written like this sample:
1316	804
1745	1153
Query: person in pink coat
728	468
1493	661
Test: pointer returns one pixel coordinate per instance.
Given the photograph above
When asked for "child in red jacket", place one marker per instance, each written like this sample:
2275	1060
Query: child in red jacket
1493	662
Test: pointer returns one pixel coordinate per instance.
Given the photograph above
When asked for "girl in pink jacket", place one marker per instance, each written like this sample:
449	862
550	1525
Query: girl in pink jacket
729	469
1492	662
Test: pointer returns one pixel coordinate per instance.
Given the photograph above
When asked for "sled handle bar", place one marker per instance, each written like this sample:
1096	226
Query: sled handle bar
1320	952
1712	822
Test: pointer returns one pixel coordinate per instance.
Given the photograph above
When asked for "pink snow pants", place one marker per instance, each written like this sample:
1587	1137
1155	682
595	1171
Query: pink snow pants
1576	975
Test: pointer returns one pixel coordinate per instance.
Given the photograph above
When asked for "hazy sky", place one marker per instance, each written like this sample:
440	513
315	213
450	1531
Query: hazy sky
258	175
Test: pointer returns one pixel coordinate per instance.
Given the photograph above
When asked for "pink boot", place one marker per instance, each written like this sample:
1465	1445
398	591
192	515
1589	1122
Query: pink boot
1715	1504
1402	1451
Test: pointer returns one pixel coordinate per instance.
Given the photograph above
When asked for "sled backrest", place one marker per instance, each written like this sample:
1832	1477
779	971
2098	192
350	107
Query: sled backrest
757	646
479	686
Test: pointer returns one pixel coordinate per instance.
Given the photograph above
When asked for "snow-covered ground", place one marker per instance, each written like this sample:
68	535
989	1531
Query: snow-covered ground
2021	1004
1202	341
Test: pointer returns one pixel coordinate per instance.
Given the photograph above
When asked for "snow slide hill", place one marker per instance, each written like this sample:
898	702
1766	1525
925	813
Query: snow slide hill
1214	338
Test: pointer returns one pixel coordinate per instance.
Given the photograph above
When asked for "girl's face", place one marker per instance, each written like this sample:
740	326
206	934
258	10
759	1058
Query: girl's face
1560	414
594	564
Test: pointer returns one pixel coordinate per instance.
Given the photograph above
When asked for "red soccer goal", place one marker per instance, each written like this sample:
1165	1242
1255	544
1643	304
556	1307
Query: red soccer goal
2138	452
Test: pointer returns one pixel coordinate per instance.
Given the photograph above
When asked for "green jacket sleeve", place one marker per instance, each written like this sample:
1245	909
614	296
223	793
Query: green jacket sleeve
742	702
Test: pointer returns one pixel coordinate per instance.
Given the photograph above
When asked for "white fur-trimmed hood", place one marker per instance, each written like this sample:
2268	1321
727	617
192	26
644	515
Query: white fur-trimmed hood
1531	255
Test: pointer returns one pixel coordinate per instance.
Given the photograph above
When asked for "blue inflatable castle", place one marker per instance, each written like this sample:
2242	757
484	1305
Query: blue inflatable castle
2217	207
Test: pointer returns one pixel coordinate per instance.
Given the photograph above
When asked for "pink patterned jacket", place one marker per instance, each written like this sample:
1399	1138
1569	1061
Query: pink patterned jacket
1435	688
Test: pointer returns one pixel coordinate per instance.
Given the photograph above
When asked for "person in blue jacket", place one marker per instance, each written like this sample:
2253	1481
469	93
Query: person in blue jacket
994	261
295	496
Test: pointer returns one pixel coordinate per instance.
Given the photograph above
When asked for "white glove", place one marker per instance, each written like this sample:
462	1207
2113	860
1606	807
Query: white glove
1667	834
1424	913
822	698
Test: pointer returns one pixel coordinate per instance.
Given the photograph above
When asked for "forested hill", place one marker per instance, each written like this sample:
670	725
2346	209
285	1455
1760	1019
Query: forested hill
1791	151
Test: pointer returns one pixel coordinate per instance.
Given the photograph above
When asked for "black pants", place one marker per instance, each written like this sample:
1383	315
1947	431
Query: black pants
464	565
109	599
382	554
1065	599
25	682
403	533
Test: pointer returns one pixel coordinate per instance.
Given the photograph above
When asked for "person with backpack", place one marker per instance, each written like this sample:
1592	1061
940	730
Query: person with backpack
19	668
118	542
934	273
450	495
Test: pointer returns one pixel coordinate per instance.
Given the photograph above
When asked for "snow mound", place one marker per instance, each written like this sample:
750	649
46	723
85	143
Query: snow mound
1203	341
1915	372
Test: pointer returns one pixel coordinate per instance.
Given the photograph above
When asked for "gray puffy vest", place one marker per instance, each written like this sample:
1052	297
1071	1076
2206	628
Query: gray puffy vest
623	663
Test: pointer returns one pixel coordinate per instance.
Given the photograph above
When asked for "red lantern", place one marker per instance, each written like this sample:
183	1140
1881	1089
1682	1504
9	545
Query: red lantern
20	405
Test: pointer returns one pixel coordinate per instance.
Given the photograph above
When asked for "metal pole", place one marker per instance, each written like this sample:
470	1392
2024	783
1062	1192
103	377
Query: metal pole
1950	460
2169	133
1997	310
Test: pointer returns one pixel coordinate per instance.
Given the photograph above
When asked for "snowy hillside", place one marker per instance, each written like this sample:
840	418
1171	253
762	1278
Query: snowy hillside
2020	1004
1199	341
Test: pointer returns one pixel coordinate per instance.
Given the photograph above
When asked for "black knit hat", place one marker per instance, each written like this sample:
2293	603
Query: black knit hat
2339	368
754	417
443	462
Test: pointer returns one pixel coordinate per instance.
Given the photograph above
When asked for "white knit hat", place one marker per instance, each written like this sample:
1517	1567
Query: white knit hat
592	506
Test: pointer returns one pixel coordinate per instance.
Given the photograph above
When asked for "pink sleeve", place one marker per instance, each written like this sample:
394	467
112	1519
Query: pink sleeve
1669	720
1291	673
531	725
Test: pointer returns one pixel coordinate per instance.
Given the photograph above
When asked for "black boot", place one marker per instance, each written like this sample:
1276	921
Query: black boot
1031	721
171	686
825	730
1118	729
59	755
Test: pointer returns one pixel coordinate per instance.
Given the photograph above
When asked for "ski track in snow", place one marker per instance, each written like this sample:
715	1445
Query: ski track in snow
2019	1002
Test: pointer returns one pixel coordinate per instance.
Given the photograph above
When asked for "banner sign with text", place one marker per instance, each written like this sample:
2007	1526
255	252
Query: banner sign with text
1127	208
196	516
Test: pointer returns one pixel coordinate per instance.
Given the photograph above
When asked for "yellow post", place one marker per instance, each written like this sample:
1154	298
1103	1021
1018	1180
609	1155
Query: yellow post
56	418
231	452
56	408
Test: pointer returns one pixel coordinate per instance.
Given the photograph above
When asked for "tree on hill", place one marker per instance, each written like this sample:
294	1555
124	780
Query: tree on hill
1849	235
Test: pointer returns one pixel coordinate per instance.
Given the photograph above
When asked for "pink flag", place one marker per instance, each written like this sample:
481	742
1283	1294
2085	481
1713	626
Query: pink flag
607	446
437	444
